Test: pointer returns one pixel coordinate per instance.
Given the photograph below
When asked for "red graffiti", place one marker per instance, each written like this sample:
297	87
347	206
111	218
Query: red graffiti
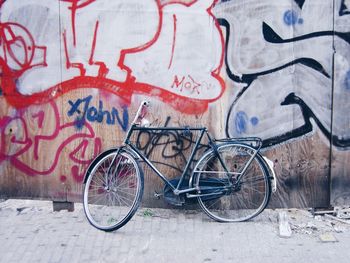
44	149
18	49
76	4
186	82
20	54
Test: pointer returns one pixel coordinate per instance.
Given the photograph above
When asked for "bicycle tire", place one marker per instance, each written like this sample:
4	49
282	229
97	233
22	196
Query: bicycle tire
226	202
113	189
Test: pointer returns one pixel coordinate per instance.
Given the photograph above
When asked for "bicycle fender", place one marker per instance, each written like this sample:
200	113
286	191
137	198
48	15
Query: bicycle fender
270	166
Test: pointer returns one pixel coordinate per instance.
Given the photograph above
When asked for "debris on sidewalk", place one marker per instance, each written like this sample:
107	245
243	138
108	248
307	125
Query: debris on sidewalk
327	237
338	219
340	214
318	223
343	213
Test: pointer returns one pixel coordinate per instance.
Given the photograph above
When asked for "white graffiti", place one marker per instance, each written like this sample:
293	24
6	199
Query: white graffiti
191	49
56	25
284	54
172	46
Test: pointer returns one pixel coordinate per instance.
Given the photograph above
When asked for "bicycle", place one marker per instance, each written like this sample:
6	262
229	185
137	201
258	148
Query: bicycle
231	181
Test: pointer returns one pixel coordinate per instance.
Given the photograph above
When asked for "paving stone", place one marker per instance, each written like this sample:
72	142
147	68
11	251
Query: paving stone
168	235
328	237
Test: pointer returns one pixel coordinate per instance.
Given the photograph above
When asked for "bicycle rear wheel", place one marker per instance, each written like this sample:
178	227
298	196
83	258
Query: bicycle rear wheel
113	190
225	197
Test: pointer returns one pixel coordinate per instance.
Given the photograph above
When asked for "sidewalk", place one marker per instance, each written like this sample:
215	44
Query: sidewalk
31	232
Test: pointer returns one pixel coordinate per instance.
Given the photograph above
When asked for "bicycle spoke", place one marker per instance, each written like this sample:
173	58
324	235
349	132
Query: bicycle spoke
126	181
123	192
243	199
113	190
120	198
98	179
99	198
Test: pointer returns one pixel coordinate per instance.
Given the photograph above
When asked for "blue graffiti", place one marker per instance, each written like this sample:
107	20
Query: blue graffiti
85	111
241	122
254	121
291	17
79	123
347	80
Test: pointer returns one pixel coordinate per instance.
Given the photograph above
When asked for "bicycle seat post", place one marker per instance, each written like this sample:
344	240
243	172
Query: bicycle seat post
140	114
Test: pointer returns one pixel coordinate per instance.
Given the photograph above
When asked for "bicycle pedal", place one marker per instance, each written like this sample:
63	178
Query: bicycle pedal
157	195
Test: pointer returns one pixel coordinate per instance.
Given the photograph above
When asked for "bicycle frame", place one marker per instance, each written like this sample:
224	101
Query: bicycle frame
175	188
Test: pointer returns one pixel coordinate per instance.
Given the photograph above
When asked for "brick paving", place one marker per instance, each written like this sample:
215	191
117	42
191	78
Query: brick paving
31	232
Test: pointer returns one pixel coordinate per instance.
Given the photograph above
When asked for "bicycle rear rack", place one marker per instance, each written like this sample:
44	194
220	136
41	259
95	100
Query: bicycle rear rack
255	142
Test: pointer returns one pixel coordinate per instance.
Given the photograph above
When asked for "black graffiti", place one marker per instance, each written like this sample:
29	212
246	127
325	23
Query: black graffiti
344	10
249	78
170	143
308	114
245	78
300	3
271	36
307	127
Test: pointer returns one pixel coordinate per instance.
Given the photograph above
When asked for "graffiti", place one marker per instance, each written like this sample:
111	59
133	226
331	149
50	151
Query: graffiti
242	120
344	8
18	144
291	18
113	46
18	49
190	84
85	111
272	37
347	81
300	3
172	144
279	70
307	127
284	61
183	54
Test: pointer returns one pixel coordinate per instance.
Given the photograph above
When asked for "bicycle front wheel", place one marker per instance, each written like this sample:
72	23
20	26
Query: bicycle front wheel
113	190
225	193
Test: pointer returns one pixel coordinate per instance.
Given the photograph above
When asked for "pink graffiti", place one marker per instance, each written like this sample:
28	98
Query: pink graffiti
45	148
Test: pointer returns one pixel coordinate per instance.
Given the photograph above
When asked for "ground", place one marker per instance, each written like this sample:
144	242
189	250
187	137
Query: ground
31	232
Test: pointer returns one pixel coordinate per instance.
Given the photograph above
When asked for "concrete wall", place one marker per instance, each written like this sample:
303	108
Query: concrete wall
73	73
